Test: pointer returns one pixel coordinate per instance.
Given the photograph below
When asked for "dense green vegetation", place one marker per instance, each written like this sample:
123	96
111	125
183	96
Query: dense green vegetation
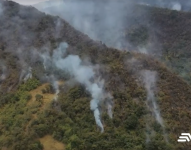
14	117
29	85
75	125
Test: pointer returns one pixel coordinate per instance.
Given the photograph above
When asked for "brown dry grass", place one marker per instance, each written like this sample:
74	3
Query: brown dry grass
47	98
50	144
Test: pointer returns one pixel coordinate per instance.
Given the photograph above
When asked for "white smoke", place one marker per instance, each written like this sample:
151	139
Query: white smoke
170	4
59	26
109	104
105	21
46	60
1	9
82	73
143	50
149	80
55	85
94	107
98	19
26	73
109	110
3	74
176	6
60	51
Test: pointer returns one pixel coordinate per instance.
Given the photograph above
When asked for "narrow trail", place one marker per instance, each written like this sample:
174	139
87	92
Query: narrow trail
47	141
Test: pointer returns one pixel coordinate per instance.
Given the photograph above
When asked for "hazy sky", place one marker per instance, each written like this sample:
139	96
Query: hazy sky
28	2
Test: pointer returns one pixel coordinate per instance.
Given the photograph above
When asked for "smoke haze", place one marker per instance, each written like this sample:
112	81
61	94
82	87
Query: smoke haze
149	80
102	20
105	21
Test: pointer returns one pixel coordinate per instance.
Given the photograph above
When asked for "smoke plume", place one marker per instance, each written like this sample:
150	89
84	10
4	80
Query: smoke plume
100	20
82	73
176	6
55	85
149	80
3	72
105	21
26	72
179	5
1	9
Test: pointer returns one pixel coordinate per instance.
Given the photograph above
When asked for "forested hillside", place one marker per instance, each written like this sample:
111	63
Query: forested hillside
59	86
130	25
168	33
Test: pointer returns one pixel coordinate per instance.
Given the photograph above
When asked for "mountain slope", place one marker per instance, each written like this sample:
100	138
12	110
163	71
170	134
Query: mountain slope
168	33
136	123
124	25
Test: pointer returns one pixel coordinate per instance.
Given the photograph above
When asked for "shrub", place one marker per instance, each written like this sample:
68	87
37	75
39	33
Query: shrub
35	146
131	122
38	97
23	95
29	85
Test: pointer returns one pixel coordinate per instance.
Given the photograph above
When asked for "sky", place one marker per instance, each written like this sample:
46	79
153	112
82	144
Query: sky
28	2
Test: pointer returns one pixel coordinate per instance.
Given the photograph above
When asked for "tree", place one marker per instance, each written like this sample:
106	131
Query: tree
39	97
